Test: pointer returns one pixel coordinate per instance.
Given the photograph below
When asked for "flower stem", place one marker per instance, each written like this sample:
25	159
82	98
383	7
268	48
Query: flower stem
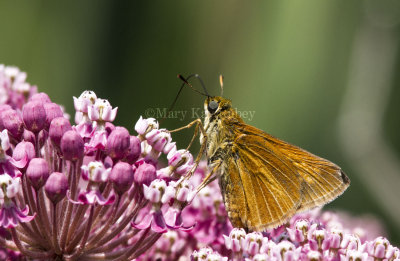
85	235
115	231
27	252
55	230
104	230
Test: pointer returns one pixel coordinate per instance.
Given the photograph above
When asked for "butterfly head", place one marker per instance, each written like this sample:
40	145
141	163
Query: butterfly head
214	105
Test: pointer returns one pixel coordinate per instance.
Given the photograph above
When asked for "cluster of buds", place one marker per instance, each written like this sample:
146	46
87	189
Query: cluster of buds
85	191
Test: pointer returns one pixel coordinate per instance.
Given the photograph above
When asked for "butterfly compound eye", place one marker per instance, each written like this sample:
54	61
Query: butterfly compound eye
212	106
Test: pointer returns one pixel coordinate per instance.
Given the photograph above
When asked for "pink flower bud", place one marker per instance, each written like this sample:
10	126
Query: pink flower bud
118	143
3	108
56	187
37	172
34	116
58	127
72	146
122	176
134	150
41	97
29	136
13	123
52	111
145	174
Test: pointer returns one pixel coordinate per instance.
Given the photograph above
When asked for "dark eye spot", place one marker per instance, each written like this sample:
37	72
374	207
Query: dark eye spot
212	106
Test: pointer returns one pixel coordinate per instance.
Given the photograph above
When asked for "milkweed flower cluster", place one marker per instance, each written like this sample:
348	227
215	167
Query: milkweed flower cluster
95	191
86	191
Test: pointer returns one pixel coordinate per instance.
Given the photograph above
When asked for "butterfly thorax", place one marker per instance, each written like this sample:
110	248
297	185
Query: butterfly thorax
217	126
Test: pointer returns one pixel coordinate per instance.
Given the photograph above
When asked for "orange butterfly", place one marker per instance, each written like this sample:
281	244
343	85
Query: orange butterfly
264	181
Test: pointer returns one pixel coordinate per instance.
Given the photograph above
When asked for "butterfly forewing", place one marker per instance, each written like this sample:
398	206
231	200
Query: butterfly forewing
323	180
271	189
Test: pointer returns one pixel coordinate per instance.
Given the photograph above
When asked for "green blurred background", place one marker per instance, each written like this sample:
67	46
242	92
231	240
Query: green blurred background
319	74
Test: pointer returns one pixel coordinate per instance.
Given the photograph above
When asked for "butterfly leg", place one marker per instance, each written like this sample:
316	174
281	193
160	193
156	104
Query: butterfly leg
199	126
210	177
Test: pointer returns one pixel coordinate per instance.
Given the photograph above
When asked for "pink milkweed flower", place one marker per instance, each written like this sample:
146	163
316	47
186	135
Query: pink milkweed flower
10	214
299	234
252	243
179	163
350	242
158	139
95	171
98	141
355	255
319	239
94	196
181	193
101	111
235	240
285	251
143	126
207	254
154	219
9	165
378	248
85	100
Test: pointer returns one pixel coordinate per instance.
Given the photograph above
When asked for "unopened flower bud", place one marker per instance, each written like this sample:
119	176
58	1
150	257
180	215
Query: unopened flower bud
145	174
3	108
52	111
34	116
13	123
122	176
37	172
56	187
134	150
58	127
29	136
72	146
41	97
118	143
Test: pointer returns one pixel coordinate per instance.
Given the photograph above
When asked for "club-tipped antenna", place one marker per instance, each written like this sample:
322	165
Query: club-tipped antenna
221	83
191	86
185	82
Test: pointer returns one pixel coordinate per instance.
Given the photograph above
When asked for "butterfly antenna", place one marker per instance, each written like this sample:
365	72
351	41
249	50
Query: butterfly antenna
191	86
221	83
185	82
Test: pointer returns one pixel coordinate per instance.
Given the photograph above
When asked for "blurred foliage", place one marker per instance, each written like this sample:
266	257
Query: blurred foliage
286	60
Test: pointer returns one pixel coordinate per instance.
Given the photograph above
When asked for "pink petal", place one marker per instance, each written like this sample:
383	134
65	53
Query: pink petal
144	223
158	225
19	163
